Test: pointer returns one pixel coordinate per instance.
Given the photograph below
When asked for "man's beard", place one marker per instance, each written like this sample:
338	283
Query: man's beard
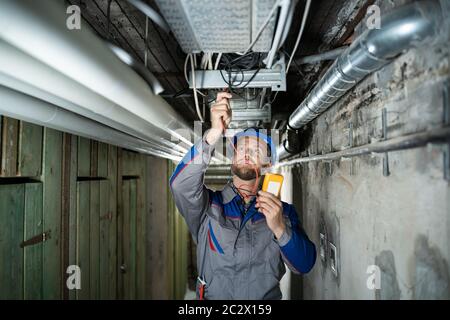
244	172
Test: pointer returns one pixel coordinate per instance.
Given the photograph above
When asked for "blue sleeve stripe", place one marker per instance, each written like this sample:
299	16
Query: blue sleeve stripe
187	159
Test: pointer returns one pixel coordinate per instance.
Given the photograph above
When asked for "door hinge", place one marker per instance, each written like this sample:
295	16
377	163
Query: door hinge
36	239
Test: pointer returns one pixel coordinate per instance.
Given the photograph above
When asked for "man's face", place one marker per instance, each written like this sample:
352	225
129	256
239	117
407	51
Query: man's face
250	154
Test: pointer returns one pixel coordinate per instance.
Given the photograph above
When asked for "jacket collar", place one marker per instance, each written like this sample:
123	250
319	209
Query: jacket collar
228	194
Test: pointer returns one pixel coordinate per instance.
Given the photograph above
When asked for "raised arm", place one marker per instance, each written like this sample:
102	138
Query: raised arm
187	181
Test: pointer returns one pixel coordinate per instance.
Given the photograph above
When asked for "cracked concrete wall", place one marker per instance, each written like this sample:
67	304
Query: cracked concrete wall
399	222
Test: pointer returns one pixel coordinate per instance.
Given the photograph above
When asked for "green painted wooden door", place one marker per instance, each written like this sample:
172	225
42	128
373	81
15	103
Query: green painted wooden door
128	245
21	220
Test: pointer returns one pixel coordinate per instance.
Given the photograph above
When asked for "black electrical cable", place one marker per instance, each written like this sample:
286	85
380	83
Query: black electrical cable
234	63
232	90
108	18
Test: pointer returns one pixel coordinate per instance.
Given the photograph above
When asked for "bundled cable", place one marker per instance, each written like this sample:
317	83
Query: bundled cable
232	67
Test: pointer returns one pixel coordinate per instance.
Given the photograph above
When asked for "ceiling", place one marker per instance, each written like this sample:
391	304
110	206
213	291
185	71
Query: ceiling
330	24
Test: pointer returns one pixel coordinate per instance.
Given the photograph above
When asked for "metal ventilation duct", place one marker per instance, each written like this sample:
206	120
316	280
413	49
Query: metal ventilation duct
417	24
217	25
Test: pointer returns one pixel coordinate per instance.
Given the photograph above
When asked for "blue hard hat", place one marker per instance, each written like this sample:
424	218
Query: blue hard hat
256	132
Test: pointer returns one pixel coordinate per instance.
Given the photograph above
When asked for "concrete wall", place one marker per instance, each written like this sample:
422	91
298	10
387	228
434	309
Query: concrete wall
399	222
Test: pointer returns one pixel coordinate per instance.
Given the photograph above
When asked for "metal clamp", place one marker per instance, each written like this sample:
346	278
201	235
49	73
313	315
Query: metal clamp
386	171
446	98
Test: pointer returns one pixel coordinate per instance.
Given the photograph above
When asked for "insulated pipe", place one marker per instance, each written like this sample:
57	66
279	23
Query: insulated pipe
39	29
288	23
139	67
283	21
281	25
417	24
15	85
23	107
21	72
328	55
410	141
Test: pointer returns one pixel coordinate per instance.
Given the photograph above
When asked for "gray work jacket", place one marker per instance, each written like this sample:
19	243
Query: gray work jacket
238	256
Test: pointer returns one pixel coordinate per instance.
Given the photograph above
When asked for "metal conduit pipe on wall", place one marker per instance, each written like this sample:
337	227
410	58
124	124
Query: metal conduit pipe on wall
410	26
327	55
39	29
23	107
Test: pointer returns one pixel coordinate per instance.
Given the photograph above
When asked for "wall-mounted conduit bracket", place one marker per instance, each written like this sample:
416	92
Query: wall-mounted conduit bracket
331	143
350	134
349	159
350	143
446	103
329	164
386	171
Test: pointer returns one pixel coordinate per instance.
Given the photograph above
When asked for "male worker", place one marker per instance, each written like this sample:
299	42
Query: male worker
242	238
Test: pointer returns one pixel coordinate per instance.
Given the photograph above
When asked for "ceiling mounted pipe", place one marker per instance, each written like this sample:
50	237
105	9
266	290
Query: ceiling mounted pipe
15	85
327	55
23	107
23	73
414	25
139	67
285	6
39	29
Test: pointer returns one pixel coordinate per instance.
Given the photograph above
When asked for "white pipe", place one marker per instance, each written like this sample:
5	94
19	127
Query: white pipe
31	91
288	23
219	56
39	29
139	67
285	6
23	107
21	72
197	106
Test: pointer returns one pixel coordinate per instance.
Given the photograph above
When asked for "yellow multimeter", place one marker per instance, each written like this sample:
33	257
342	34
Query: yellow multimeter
272	183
